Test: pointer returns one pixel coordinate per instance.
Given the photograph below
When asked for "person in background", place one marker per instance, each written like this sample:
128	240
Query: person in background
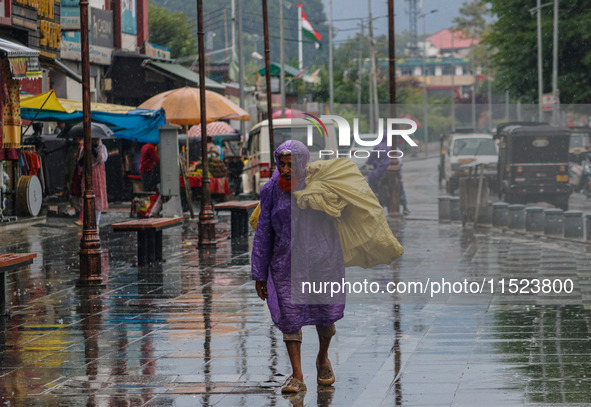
59	128
212	149
99	179
149	167
378	178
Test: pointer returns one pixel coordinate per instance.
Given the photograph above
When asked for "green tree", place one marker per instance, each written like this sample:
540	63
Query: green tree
514	37
217	19
171	30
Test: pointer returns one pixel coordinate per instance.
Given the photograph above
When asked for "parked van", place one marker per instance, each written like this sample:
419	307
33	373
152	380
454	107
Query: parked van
257	169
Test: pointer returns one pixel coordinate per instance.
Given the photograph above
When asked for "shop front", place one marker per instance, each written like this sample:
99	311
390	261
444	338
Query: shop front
20	189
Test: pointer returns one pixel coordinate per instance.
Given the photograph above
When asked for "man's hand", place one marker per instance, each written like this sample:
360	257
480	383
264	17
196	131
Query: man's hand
261	287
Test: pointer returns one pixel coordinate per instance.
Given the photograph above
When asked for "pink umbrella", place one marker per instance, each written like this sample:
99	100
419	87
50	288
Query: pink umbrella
289	114
213	129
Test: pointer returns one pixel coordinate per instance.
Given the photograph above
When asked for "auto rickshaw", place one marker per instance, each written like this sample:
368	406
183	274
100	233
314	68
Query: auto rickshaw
533	163
580	144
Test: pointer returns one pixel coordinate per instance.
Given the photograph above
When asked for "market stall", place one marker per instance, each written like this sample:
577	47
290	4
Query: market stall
20	188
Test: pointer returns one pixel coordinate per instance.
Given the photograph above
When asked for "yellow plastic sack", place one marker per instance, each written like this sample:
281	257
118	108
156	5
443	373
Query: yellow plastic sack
339	189
254	217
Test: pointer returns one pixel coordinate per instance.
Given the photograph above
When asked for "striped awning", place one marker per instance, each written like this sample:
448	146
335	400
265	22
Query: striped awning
23	61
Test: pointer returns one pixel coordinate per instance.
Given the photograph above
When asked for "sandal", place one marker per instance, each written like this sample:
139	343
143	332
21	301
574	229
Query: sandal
293	385
325	374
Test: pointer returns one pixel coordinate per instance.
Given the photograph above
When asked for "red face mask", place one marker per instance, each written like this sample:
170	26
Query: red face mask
288	185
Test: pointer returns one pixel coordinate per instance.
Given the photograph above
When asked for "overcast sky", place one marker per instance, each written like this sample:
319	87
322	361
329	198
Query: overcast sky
447	10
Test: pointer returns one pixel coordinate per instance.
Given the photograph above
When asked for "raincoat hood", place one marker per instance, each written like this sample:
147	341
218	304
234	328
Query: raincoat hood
301	154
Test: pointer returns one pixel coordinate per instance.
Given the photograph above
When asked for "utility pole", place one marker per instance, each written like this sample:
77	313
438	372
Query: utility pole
330	67
90	243
453	85
556	102
425	93
359	75
240	65
489	81
392	58
540	77
373	75
282	60
268	83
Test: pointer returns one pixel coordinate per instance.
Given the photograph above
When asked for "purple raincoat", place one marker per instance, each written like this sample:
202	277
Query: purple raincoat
283	227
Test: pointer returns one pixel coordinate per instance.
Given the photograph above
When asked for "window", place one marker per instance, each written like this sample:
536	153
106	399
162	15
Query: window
474	146
447	70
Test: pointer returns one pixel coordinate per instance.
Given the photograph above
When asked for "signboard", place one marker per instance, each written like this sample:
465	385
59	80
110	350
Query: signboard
70	3
101	27
157	51
70	18
547	102
128	17
25	67
71	49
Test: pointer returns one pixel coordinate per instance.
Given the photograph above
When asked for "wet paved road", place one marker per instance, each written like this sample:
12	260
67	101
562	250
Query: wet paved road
192	331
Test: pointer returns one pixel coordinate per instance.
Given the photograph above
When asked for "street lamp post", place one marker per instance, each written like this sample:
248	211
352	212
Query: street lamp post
206	218
90	244
425	95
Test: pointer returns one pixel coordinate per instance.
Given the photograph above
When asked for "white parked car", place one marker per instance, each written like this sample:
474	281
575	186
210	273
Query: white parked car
468	148
257	169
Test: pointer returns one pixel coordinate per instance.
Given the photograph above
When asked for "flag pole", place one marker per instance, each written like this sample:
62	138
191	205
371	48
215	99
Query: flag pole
300	44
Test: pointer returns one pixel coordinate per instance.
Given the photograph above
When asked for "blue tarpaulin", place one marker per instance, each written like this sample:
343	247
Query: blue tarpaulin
136	125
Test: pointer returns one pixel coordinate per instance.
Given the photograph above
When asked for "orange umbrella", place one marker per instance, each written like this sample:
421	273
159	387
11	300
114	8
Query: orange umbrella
182	106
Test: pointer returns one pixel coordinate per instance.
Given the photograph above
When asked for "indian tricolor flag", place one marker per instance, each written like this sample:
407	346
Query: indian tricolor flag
309	31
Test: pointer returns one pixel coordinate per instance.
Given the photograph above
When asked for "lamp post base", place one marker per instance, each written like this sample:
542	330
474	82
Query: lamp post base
90	262
206	227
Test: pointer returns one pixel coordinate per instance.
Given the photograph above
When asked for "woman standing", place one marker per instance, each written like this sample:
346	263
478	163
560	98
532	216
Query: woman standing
293	246
99	179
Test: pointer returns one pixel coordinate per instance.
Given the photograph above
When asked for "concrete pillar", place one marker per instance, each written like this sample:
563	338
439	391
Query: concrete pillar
516	216
444	208
573	224
553	221
499	217
454	208
534	219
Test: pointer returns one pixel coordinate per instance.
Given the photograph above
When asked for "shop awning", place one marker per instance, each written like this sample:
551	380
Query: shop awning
23	61
179	71
125	121
54	104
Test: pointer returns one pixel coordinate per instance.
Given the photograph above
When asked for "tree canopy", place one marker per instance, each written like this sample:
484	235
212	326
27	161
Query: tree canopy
514	38
171	30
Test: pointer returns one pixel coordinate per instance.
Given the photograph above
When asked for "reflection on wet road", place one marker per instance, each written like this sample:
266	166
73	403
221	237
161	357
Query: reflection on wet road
191	331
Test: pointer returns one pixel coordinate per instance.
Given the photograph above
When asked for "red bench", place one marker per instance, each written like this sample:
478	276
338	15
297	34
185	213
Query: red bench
8	262
149	236
239	215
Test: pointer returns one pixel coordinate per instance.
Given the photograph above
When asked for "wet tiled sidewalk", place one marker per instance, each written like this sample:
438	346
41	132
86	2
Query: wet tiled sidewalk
192	331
